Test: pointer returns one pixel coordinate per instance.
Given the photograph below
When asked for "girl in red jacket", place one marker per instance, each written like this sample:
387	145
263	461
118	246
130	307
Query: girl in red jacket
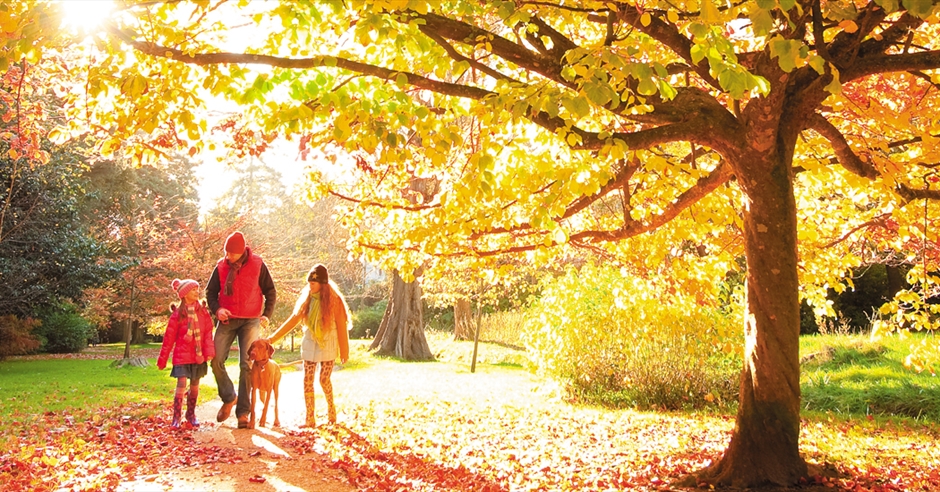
190	330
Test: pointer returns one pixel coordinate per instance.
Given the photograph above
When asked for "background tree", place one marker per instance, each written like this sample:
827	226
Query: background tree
401	332
707	124
289	229
47	252
143	214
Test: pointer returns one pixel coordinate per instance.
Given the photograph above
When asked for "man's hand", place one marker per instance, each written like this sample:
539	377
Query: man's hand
223	315
264	322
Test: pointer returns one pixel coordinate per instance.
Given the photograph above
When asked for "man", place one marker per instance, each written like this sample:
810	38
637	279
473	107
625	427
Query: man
241	294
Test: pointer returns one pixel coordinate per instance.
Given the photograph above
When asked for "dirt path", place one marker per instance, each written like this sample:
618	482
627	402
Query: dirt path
265	459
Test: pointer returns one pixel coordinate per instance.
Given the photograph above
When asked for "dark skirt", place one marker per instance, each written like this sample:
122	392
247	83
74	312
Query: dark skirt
191	371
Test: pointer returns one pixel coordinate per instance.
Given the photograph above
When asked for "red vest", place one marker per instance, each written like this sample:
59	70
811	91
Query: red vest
246	300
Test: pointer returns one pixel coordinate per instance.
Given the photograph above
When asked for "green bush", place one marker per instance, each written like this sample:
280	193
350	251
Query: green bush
16	336
63	330
366	321
618	341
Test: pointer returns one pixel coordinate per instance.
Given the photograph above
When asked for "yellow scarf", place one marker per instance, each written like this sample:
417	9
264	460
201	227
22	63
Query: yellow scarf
314	322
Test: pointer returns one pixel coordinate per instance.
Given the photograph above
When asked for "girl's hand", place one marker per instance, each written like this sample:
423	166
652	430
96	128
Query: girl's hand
343	360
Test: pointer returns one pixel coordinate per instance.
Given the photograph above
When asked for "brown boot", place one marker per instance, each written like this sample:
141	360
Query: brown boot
226	411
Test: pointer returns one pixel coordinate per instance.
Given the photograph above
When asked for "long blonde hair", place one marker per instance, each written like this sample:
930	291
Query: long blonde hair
329	292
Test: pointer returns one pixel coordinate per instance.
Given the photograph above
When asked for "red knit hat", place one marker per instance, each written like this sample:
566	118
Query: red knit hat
235	243
182	287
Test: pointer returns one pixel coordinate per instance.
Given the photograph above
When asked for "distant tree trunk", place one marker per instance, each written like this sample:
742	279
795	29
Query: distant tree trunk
401	333
128	329
128	336
129	326
463	320
139	332
895	280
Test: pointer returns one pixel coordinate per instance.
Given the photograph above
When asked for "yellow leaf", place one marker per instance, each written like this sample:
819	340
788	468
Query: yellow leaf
673	16
646	19
709	13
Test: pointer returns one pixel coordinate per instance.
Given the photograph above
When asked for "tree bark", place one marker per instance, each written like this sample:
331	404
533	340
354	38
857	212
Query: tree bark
463	320
895	280
764	448
401	333
128	324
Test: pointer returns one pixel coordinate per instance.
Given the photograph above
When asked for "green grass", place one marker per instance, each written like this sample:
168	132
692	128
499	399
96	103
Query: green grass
36	386
80	387
852	375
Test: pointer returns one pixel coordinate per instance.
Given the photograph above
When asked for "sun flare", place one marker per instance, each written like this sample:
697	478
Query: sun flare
84	15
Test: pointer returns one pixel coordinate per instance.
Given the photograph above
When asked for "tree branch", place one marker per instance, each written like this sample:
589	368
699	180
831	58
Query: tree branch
461	32
219	58
456	55
383	205
630	227
905	62
841	147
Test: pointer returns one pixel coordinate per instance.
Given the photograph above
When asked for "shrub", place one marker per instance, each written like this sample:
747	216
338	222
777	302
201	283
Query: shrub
366	321
618	341
63	330
16	336
504	327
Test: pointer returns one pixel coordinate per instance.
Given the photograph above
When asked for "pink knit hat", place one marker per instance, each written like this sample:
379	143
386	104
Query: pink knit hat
182	287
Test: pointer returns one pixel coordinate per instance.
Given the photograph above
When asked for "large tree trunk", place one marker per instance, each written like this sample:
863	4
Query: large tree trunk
401	333
463	320
764	448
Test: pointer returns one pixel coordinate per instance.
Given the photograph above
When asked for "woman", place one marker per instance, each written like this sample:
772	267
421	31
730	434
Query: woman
325	317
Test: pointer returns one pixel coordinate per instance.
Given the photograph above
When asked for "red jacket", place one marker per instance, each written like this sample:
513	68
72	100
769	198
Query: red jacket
177	333
253	293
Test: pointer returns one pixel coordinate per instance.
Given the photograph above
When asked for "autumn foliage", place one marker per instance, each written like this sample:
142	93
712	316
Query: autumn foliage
620	339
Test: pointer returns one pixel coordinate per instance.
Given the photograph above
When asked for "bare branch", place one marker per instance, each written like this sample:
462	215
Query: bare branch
456	55
877	221
849	160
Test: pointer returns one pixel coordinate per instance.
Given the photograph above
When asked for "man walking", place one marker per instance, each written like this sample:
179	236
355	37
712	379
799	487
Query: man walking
241	294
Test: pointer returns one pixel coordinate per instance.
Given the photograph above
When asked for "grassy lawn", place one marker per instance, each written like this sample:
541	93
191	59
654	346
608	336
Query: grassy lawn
853	375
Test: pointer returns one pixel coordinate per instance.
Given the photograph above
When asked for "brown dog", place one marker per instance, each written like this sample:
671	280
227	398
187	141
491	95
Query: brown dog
265	378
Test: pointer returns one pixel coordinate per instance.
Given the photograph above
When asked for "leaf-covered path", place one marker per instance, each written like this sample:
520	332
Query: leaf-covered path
433	427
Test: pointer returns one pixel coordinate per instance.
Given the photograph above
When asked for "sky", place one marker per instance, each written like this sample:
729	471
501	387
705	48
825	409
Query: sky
215	178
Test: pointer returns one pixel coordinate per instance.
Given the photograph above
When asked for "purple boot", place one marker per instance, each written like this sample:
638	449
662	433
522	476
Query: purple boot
191	408
177	411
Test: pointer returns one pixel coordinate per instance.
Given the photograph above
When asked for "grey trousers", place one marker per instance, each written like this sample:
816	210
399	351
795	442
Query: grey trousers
246	330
